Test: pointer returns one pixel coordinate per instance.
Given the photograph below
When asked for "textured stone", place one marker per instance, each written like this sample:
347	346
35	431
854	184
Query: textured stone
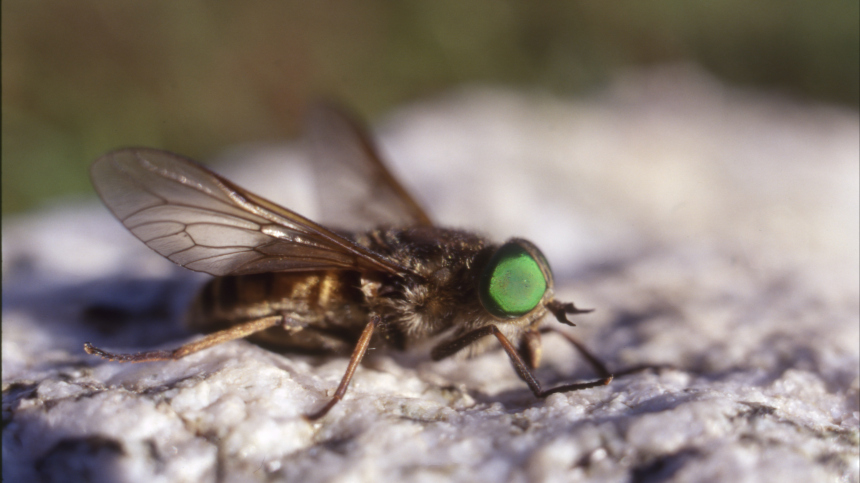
714	230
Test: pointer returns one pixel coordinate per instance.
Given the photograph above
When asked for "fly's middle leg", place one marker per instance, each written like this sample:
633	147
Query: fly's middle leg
354	360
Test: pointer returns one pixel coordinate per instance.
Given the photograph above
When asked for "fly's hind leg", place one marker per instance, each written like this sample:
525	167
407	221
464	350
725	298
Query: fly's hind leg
451	347
598	365
238	331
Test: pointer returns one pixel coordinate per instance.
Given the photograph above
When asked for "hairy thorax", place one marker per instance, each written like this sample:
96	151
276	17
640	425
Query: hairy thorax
444	299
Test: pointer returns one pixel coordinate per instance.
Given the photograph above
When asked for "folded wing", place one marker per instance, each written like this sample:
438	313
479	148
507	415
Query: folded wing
357	191
204	222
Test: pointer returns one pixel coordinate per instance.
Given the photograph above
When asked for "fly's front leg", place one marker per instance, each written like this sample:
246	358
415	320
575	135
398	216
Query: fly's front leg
448	348
354	360
236	332
598	365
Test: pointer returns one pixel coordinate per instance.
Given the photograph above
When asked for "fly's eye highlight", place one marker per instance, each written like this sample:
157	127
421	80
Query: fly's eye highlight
512	283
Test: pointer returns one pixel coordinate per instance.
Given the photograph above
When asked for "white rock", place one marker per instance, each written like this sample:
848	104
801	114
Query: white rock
713	230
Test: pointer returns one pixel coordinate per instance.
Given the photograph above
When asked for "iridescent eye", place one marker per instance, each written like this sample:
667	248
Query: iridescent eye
512	283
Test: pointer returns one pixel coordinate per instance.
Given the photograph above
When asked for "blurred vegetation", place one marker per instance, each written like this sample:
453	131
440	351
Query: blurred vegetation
80	78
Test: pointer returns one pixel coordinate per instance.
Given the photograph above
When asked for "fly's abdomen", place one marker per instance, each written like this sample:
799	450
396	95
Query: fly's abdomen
322	310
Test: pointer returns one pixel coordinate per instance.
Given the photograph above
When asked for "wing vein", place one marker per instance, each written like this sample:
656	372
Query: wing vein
183	211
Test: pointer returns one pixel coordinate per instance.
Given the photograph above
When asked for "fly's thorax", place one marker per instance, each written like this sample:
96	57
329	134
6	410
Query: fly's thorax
307	298
424	250
441	296
467	283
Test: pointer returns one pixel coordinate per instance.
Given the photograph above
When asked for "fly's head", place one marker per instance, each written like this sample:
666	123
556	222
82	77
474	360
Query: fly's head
516	286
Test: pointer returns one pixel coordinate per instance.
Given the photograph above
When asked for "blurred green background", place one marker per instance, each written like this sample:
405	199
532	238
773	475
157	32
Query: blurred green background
83	77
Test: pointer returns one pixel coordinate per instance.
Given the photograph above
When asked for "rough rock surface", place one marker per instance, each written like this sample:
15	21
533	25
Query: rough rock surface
714	230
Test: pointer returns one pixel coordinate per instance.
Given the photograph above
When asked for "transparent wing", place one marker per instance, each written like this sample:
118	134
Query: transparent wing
205	223
357	190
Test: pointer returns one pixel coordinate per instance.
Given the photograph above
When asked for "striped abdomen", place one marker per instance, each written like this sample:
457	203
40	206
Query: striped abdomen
323	311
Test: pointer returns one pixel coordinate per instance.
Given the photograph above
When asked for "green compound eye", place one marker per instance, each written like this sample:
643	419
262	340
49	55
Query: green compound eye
512	283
